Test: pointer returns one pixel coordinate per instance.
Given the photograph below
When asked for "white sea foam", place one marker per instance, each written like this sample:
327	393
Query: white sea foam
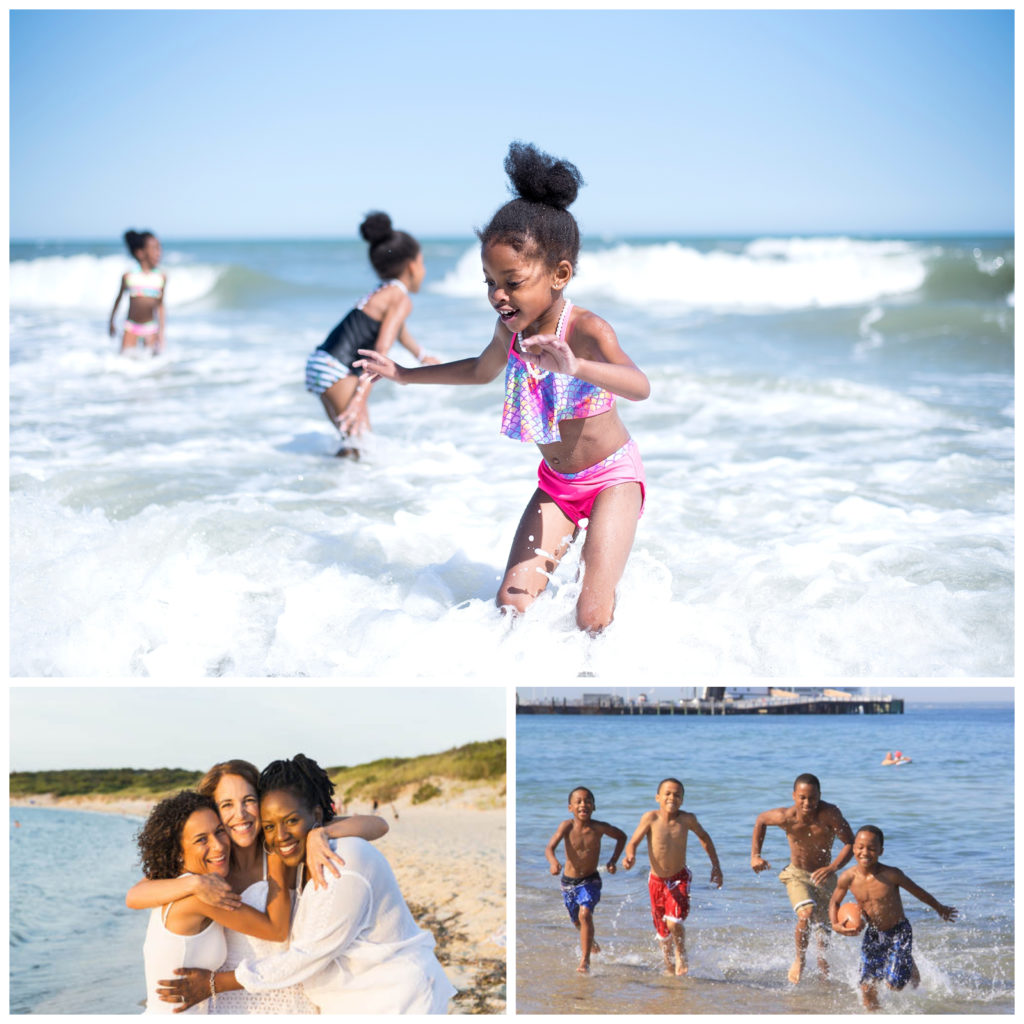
87	282
807	503
767	274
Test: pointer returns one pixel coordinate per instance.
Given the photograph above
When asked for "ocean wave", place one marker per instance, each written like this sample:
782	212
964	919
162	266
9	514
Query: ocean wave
771	274
90	282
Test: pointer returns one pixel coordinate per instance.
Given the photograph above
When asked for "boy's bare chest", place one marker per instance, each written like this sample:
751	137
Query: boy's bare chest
666	834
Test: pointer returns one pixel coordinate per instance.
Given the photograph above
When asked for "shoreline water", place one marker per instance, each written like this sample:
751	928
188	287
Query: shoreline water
740	937
449	858
830	429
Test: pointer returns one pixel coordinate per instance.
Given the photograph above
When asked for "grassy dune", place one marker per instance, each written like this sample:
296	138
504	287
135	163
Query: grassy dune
381	780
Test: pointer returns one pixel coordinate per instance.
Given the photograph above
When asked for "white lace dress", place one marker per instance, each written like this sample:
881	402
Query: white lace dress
240	947
354	945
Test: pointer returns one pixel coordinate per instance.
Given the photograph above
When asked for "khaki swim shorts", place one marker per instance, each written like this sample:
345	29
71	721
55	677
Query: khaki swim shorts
803	891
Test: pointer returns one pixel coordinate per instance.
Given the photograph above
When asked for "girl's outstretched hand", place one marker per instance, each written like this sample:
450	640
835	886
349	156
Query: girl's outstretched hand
375	365
549	352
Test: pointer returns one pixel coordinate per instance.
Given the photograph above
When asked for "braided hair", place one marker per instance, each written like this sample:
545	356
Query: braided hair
537	222
304	778
390	250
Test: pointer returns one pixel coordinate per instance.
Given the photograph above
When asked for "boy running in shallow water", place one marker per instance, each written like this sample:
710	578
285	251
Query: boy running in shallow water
666	830
581	884
887	951
811	826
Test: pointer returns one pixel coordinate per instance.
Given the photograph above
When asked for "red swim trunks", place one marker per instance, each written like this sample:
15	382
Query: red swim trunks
670	899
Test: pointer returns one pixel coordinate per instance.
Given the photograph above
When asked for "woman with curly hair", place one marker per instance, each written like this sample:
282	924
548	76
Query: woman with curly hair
355	947
231	786
184	835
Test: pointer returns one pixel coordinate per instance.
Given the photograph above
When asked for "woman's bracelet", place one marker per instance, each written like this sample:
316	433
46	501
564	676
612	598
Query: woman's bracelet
213	986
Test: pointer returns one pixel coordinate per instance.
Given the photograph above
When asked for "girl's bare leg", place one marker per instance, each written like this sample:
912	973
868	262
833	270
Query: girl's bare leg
543	535
610	534
128	341
335	401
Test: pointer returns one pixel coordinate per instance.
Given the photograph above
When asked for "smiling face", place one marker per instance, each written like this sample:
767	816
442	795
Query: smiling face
670	796
806	798
867	848
239	809
205	847
286	822
581	805
524	290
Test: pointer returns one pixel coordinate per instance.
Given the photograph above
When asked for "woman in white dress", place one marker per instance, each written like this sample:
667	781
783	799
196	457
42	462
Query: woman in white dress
232	787
354	947
184	834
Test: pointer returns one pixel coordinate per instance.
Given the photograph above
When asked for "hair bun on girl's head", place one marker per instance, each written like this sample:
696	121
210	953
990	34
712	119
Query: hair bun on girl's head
376	227
540	178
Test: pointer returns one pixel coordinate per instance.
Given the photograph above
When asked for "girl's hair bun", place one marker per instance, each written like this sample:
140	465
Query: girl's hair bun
376	227
135	240
540	178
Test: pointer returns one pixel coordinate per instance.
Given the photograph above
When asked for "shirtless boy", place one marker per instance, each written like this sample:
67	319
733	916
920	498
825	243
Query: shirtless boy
581	884
887	951
811	826
667	830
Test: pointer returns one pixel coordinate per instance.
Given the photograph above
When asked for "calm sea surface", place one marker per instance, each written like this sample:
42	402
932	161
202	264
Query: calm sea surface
75	946
948	823
828	444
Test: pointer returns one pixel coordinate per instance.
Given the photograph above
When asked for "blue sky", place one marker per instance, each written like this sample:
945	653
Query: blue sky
57	727
294	123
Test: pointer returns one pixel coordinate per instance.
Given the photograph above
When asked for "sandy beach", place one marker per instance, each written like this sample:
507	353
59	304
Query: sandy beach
449	858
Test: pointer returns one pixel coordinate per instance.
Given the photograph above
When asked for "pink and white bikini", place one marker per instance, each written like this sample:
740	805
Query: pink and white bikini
536	401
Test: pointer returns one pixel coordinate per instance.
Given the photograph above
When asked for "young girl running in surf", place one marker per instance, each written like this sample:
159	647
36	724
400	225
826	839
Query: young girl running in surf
145	288
563	369
376	322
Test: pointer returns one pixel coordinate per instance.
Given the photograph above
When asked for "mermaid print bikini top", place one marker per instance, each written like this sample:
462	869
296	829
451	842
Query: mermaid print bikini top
537	400
144	284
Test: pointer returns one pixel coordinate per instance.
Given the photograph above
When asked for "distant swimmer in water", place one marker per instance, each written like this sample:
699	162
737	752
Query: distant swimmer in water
562	383
377	321
896	758
145	288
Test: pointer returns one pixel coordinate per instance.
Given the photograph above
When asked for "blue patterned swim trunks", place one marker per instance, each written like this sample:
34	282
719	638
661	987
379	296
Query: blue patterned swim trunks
581	892
888	956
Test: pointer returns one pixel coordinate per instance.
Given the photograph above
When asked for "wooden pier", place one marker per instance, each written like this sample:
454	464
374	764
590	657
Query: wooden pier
811	705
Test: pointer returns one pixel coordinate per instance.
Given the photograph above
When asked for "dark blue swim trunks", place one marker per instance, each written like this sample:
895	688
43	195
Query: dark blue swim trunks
888	956
581	892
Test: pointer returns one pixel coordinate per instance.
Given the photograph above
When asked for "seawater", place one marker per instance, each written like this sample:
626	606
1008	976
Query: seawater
74	945
828	444
947	819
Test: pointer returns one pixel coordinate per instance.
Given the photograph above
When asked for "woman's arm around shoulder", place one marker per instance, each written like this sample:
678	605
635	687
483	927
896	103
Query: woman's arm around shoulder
319	854
156	892
271	925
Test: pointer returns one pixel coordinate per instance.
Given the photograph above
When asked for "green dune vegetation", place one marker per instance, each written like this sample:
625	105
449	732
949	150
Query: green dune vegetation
385	780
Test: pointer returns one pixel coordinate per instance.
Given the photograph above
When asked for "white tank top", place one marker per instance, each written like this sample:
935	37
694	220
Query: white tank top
164	950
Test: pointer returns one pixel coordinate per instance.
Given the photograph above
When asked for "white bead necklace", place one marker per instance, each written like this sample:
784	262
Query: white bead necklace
535	371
